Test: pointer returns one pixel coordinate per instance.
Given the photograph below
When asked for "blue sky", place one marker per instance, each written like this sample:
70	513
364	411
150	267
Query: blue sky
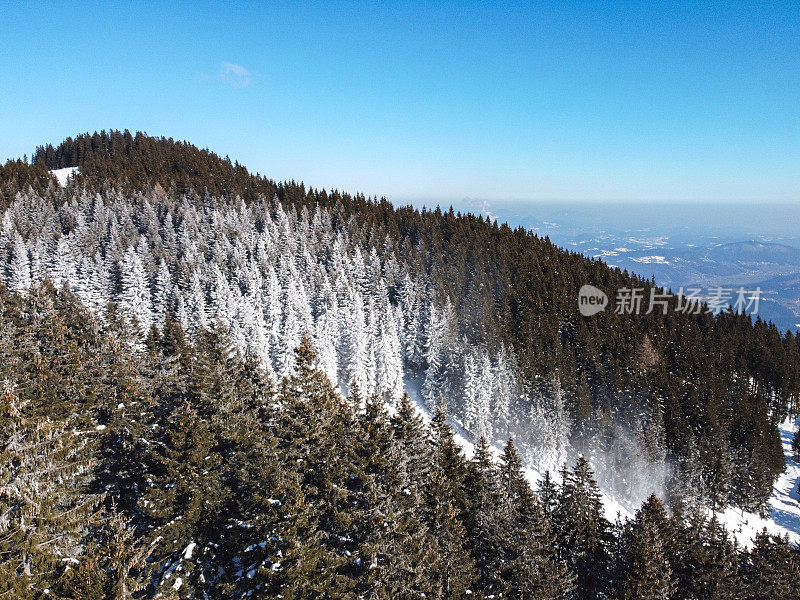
430	102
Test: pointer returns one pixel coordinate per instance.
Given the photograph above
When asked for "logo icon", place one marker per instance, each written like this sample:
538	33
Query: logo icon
591	300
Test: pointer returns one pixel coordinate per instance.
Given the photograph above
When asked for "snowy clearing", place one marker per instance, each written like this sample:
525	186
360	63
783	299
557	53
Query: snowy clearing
63	175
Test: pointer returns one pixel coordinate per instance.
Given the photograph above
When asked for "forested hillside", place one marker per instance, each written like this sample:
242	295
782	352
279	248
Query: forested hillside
182	470
447	306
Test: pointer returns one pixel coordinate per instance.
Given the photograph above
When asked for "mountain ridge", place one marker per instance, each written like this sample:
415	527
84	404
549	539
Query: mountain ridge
138	303
503	299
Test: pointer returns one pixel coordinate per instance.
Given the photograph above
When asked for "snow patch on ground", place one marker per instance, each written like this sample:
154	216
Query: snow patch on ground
187	553
63	175
652	259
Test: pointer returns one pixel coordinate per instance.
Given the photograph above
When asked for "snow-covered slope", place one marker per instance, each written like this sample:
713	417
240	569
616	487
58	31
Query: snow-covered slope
785	515
614	510
784	518
785	497
63	175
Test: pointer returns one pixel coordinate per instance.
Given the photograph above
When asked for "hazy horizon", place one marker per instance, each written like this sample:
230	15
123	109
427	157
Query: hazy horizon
668	102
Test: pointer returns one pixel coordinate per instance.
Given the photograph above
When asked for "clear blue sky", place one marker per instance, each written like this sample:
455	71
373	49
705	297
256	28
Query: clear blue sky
429	102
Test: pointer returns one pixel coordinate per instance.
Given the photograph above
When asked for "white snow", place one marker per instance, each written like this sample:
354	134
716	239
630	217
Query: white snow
652	259
785	515
178	583
785	502
63	175
187	553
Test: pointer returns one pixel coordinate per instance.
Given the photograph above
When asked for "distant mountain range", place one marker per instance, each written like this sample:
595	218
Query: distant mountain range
681	246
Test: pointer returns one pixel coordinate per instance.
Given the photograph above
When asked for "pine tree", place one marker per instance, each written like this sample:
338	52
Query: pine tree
396	550
454	570
447	456
705	563
389	358
162	290
135	291
643	566
770	570
269	517
443	503
478	383
431	346
549	493
112	565
409	431
46	510
582	532
325	462
19	270
531	568
409	321
215	370
486	524
358	345
184	502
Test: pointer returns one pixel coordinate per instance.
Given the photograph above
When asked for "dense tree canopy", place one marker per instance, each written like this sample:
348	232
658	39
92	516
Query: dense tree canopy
476	302
182	471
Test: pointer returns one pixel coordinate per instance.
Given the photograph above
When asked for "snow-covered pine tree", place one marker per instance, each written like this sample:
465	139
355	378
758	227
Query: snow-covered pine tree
389	357
18	274
478	391
134	297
